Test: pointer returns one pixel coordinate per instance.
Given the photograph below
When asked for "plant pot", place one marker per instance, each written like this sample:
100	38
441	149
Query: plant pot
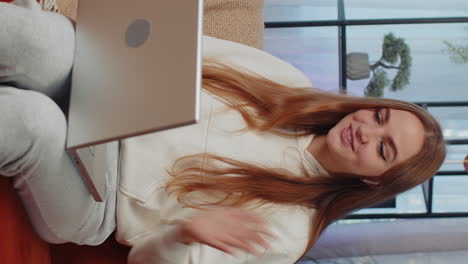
357	66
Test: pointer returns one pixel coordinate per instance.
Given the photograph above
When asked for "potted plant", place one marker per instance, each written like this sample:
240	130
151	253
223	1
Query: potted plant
396	55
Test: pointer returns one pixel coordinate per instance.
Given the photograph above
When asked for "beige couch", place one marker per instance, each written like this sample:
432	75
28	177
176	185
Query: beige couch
235	20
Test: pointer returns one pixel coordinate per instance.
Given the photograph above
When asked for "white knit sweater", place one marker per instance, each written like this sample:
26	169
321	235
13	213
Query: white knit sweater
147	215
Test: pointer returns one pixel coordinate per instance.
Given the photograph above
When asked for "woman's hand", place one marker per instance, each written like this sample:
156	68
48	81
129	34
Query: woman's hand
226	229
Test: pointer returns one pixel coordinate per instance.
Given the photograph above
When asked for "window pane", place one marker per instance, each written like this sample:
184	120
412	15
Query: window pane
450	194
454	159
454	121
297	10
411	201
371	9
433	73
313	50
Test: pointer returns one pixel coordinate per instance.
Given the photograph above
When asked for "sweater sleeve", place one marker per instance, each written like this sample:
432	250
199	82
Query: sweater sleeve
161	247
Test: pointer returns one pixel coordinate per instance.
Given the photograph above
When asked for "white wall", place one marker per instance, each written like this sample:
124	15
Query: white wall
452	257
393	237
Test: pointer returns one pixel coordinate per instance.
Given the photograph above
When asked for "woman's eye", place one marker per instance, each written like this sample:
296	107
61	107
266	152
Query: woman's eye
378	116
382	151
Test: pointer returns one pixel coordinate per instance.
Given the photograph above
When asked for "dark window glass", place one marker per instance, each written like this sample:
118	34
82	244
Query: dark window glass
411	201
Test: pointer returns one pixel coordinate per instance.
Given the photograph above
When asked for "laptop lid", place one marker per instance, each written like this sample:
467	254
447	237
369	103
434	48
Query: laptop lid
137	69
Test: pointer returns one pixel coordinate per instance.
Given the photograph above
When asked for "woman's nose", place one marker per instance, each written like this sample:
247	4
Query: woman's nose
365	133
362	135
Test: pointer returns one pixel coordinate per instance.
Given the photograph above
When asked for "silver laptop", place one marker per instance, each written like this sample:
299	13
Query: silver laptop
137	70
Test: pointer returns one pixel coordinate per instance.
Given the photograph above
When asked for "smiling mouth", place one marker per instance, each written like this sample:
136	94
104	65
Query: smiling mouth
347	137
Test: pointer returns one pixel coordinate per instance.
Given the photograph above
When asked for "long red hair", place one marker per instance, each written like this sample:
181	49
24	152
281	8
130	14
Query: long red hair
271	107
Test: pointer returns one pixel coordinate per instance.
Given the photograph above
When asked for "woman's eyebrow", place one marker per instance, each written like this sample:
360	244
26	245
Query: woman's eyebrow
390	140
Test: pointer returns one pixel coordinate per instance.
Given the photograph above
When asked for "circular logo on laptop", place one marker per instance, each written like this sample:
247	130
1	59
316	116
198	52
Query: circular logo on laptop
137	33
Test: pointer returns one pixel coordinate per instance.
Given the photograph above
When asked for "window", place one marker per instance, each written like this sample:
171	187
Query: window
432	75
368	9
297	10
339	45
312	50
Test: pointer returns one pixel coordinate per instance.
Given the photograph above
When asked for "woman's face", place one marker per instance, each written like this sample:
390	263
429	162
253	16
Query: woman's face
368	142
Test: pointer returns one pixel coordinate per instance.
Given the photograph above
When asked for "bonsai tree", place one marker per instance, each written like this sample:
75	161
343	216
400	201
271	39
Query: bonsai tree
396	55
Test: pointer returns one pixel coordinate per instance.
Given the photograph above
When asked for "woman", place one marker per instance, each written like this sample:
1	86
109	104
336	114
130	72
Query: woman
268	167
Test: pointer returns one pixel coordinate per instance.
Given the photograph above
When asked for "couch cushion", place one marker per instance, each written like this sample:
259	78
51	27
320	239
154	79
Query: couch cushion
239	21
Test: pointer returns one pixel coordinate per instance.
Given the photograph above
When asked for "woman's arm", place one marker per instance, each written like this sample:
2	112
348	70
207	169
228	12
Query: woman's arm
157	249
228	236
226	229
